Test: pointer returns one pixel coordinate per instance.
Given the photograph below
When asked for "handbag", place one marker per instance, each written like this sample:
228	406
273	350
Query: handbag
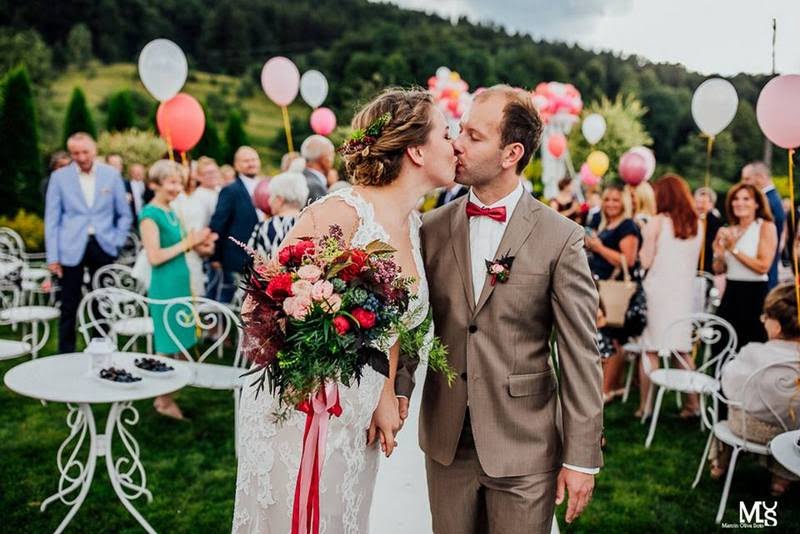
616	295
142	269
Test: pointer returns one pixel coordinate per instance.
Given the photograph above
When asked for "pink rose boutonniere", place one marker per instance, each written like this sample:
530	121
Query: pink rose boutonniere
499	270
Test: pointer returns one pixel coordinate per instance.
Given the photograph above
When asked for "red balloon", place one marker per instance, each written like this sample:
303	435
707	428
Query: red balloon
556	144
261	197
181	122
632	168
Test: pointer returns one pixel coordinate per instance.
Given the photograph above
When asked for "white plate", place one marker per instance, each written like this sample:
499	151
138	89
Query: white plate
118	385
154	374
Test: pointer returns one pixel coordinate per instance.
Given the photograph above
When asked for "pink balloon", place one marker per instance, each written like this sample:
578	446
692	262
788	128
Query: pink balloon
556	144
181	121
649	158
323	121
778	110
632	168
261	197
280	79
587	177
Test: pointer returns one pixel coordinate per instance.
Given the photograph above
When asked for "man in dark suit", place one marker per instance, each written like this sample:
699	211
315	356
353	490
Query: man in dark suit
235	216
449	195
319	153
758	174
705	199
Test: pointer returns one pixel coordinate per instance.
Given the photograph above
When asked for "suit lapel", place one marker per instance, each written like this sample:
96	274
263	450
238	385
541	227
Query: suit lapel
522	223
459	241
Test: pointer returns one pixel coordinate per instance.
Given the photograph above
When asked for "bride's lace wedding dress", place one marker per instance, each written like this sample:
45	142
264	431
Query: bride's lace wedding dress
269	452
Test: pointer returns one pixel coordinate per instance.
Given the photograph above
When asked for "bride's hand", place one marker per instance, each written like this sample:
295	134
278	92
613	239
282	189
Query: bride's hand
386	422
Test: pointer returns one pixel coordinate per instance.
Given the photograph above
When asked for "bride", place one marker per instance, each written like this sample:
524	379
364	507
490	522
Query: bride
391	171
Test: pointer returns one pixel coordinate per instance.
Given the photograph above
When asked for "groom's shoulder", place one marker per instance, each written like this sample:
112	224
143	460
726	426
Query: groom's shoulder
436	217
553	223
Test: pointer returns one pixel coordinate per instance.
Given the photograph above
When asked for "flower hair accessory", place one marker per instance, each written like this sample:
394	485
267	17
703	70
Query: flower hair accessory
361	139
500	269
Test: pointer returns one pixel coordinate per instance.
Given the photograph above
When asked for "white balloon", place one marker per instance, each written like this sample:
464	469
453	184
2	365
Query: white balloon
443	73
313	88
593	128
649	158
163	68
714	105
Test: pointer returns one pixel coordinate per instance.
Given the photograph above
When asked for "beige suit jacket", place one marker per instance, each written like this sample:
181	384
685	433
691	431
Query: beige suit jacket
527	416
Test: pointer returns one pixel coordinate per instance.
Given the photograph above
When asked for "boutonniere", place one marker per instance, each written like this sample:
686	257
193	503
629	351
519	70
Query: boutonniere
499	270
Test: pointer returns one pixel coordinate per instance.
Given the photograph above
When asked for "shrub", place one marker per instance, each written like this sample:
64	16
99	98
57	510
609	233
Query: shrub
135	146
28	225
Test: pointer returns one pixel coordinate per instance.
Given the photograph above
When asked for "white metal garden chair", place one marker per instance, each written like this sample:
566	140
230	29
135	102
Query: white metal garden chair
36	279
129	250
709	334
14	312
778	378
134	327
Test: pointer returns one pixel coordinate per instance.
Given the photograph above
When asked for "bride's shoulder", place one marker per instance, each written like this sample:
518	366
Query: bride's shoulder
332	209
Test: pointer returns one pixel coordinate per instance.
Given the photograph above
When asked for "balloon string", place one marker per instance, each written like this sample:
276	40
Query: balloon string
287	126
709	148
792	217
184	160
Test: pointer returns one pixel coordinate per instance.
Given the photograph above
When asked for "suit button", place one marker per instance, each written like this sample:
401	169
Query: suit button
473	329
464	376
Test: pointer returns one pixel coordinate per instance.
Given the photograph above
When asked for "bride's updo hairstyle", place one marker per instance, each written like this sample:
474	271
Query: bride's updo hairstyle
376	160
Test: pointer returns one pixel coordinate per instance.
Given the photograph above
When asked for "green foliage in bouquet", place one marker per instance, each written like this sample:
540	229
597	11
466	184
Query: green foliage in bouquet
413	342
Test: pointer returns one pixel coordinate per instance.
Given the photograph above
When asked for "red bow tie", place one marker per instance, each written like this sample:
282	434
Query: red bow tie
498	213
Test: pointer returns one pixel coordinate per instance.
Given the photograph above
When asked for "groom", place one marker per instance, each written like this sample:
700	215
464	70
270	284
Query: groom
517	428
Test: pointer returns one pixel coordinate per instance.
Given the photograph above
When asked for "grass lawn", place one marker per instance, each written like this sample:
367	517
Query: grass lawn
191	471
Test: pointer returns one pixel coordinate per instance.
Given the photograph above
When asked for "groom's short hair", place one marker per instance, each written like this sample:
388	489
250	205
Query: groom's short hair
521	122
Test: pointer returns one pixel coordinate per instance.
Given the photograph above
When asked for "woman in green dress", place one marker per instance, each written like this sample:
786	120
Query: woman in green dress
166	244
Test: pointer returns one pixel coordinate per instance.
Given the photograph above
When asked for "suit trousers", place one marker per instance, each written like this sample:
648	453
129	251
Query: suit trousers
465	500
72	283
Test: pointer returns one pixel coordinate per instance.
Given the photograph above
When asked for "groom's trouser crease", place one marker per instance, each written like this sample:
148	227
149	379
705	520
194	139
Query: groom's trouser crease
465	500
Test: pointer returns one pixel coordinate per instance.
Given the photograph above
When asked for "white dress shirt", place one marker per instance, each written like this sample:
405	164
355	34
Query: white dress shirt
88	183
251	184
137	191
485	235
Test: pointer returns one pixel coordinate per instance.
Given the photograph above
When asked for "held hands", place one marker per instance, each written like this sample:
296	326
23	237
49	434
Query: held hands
385	422
196	237
206	247
579	487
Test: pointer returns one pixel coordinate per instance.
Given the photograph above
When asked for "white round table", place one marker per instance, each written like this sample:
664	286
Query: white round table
784	449
65	378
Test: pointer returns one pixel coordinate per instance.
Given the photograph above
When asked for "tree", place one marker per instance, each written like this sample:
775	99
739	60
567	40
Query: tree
120	112
25	48
235	136
210	144
20	163
79	118
79	45
666	107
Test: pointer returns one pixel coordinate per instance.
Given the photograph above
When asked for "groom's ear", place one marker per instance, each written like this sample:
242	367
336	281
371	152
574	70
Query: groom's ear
512	153
416	154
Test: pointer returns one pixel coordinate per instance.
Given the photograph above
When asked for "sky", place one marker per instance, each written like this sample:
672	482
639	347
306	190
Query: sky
708	36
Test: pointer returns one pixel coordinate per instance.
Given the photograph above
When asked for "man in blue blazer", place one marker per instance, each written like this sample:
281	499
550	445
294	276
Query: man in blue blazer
87	219
758	174
235	216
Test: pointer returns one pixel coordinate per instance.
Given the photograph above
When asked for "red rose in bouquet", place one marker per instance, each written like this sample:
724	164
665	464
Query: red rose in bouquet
280	286
357	260
341	324
366	319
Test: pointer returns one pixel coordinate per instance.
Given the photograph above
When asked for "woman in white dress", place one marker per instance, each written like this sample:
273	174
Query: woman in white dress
670	252
391	172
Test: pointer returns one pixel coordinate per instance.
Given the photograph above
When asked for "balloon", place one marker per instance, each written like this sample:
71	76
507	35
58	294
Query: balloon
632	168
649	158
163	68
280	80
181	122
556	144
714	105
313	88
261	197
323	121
778	110
597	162
593	128
443	73
588	178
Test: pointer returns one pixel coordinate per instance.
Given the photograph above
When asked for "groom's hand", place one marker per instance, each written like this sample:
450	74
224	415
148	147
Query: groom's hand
402	405
579	486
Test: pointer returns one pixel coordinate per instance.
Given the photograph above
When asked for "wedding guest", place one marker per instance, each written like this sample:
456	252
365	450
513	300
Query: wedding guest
450	194
618	240
758	174
565	202
764	407
166	244
57	160
670	252
705	199
234	216
319	153
288	195
228	174
744	252
87	220
195	206
594	202
287	159
644	203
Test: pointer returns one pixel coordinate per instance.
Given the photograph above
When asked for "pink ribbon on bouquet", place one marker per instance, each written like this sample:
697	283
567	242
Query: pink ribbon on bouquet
318	410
